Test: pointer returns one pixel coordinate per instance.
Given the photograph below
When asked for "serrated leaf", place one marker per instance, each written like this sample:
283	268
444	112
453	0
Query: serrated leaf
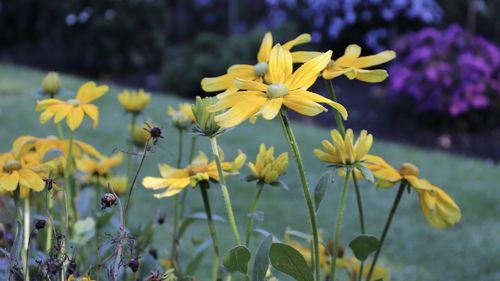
237	259
319	191
261	262
367	174
363	245
289	261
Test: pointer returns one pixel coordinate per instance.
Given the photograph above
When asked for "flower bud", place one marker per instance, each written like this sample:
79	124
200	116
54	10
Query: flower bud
108	200
408	169
40	224
51	83
205	120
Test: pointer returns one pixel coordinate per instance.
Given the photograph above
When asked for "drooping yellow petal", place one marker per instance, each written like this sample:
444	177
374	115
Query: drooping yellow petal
74	118
61	112
240	112
265	48
169	192
48	113
9	182
271	108
243	71
250	85
231	100
89	92
301	39
217	84
31	180
303	106
352	50
380	58
280	64
306	75
320	99
370	76
154	183
43	104
93	112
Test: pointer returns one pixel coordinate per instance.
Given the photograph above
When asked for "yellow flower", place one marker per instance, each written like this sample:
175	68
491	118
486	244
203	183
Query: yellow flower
118	183
353	66
51	83
74	109
22	172
134	101
353	267
267	168
344	151
287	89
437	206
258	72
183	117
83	278
175	180
140	134
100	168
324	254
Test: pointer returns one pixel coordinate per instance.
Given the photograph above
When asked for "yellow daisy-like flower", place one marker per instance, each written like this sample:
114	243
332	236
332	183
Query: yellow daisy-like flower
83	278
343	150
437	206
75	109
118	183
100	168
175	180
287	88
134	101
258	72
183	117
267	168
354	67
23	173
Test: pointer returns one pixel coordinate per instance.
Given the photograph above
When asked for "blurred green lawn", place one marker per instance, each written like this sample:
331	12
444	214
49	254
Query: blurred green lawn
414	250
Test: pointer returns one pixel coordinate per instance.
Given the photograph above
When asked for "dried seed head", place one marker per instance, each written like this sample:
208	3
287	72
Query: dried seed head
40	224
134	264
108	200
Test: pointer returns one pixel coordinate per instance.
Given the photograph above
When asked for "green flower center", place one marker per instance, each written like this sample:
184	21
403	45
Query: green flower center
11	166
260	69
277	90
74	102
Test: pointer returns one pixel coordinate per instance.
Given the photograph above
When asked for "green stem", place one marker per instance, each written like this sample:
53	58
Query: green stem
225	192
204	185
50	205
130	147
26	233
67	180
175	241
60	131
361	216
260	187
192	149
285	123
338	224
333	97
394	207
132	184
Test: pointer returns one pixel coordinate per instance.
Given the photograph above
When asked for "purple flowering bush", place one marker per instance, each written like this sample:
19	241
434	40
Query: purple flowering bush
446	71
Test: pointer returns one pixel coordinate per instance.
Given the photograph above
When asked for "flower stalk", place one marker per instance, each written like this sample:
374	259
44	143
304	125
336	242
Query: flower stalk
260	187
204	185
333	97
225	192
130	146
338	224
387	225
26	237
175	241
285	123
67	180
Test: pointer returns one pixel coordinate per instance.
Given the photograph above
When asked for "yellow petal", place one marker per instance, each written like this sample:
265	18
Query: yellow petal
231	100
280	64
307	74
89	92
419	184
265	48
93	112
41	105
216	84
377	59
352	50
88	148
48	113
318	98
243	71
31	180
301	39
250	85
240	112
371	76
169	192
154	183
75	118
303	106
304	56
9	182
271	108
62	111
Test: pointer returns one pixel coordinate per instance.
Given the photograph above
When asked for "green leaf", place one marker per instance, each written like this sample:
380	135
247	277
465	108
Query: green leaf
289	261
261	262
195	217
367	174
363	245
319	191
237	259
83	231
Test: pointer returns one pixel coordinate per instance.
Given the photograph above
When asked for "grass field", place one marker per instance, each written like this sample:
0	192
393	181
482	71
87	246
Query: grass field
414	250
